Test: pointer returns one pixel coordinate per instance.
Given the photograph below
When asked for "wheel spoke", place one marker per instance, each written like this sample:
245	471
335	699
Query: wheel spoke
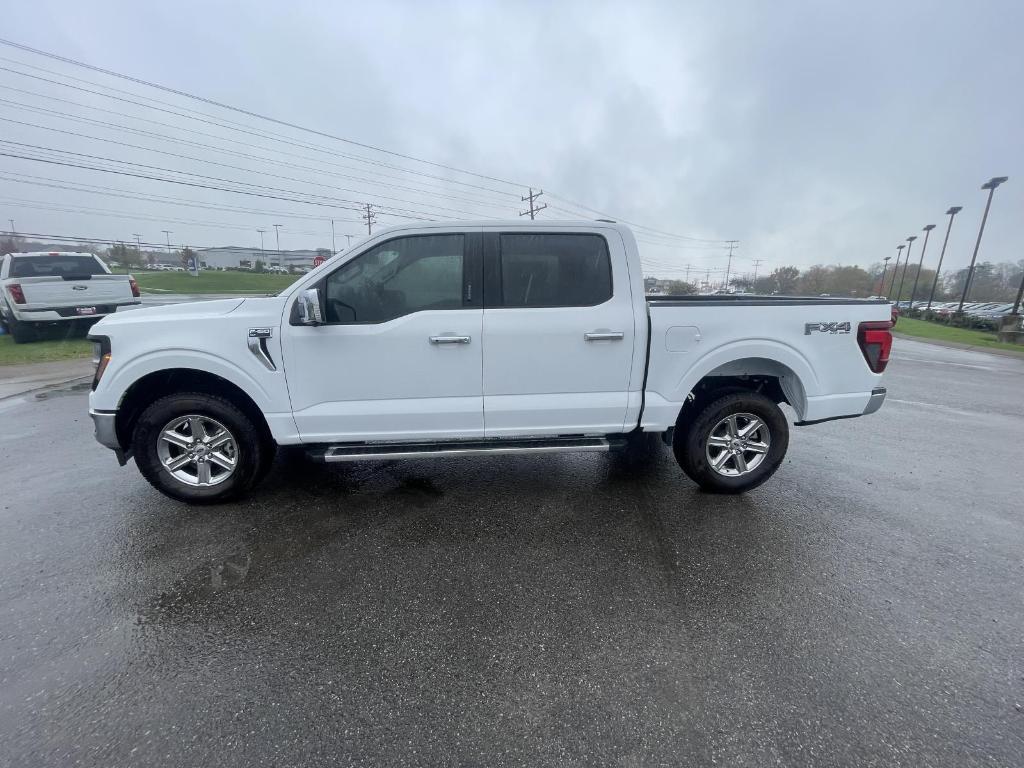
720	459
178	462
195	424
203	472
751	428
757	447
219	439
221	460
741	462
731	426
174	438
717	441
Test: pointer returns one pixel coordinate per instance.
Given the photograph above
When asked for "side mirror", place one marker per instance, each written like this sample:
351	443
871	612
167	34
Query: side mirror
309	307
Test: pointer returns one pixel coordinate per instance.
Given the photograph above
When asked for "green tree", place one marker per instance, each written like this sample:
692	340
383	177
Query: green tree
783	280
123	255
681	288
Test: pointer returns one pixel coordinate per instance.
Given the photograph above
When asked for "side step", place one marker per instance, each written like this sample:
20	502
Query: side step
421	450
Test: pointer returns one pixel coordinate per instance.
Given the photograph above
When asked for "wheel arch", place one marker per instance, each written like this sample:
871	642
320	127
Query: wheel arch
167	381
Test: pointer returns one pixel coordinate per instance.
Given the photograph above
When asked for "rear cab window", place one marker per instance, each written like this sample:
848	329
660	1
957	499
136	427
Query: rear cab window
67	266
554	269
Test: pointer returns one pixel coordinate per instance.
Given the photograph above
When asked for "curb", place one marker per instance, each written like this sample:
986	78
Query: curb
961	345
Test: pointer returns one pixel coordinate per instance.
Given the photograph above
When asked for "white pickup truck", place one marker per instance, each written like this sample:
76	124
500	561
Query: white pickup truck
57	288
489	338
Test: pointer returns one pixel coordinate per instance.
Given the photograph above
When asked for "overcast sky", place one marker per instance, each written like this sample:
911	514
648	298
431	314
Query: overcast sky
815	132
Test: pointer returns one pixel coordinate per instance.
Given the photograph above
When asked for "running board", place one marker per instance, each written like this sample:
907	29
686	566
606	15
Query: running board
420	450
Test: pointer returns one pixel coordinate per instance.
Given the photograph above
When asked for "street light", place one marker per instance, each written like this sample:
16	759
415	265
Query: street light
913	291
895	269
885	266
990	185
167	232
277	231
953	211
899	294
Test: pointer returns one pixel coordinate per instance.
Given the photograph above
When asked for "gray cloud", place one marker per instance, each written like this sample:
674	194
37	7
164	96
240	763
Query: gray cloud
812	132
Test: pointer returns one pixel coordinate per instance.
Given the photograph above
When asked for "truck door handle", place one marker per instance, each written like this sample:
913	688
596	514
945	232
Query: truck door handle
604	336
450	339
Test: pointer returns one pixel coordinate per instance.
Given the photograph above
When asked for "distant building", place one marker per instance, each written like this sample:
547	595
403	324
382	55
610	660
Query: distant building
236	257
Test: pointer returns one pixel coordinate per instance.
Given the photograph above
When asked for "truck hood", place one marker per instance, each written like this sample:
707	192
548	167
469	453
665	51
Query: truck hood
193	310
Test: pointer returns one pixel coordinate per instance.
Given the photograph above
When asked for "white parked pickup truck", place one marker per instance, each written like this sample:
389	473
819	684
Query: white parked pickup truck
69	289
489	338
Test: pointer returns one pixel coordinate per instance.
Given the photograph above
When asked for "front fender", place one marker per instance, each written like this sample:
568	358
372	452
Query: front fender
116	381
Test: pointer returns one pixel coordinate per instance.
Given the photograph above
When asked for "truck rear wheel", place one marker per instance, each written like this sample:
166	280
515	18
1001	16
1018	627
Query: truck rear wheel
733	443
199	448
21	332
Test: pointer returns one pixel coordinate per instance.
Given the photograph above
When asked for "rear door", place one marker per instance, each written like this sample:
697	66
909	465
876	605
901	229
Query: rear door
558	333
399	356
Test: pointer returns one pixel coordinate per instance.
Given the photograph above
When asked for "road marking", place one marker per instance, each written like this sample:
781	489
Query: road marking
945	408
945	362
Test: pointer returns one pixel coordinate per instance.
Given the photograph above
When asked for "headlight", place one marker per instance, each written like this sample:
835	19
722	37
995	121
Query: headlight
100	357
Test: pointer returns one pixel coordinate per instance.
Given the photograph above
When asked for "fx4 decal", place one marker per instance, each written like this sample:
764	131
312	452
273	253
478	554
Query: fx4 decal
832	328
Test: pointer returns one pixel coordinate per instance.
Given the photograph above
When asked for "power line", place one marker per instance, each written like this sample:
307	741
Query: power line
250	113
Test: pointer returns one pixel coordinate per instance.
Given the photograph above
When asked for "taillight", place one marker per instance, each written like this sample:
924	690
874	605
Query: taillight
134	285
16	293
875	340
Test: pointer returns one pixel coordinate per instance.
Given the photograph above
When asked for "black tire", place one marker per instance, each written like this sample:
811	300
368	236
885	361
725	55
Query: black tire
254	452
695	428
21	332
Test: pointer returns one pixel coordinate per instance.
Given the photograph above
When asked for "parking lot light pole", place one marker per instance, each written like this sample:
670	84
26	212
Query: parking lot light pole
277	231
896	268
990	185
913	291
885	266
953	211
910	245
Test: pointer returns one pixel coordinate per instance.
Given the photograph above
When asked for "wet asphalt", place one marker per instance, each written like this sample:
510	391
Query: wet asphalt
864	607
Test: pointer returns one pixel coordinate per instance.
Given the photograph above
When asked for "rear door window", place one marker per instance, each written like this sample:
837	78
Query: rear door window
554	270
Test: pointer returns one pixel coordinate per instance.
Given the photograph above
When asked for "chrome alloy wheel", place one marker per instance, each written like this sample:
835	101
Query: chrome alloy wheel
197	450
738	444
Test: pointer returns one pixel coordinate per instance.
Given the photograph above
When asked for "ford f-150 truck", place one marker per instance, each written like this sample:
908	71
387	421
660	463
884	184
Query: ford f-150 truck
488	338
68	289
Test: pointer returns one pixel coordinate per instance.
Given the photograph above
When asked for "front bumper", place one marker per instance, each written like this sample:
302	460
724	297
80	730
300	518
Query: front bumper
105	425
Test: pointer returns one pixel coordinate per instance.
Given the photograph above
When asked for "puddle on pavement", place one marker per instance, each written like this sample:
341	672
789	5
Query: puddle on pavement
72	389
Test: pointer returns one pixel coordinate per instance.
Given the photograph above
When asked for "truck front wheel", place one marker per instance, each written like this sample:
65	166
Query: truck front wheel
733	443
199	448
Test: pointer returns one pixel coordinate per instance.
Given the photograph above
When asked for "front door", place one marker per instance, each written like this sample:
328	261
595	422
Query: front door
399	355
558	334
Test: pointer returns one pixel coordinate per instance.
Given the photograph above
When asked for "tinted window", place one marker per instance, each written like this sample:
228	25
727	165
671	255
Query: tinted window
62	266
553	270
401	276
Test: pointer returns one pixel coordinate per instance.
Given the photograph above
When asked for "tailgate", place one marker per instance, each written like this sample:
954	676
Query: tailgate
43	292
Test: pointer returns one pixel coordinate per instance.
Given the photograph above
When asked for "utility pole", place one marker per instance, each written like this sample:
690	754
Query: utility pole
138	246
951	213
369	217
277	232
895	269
534	209
349	242
263	254
913	291
334	248
687	273
757	263
899	293
12	227
167	234
990	185
728	268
